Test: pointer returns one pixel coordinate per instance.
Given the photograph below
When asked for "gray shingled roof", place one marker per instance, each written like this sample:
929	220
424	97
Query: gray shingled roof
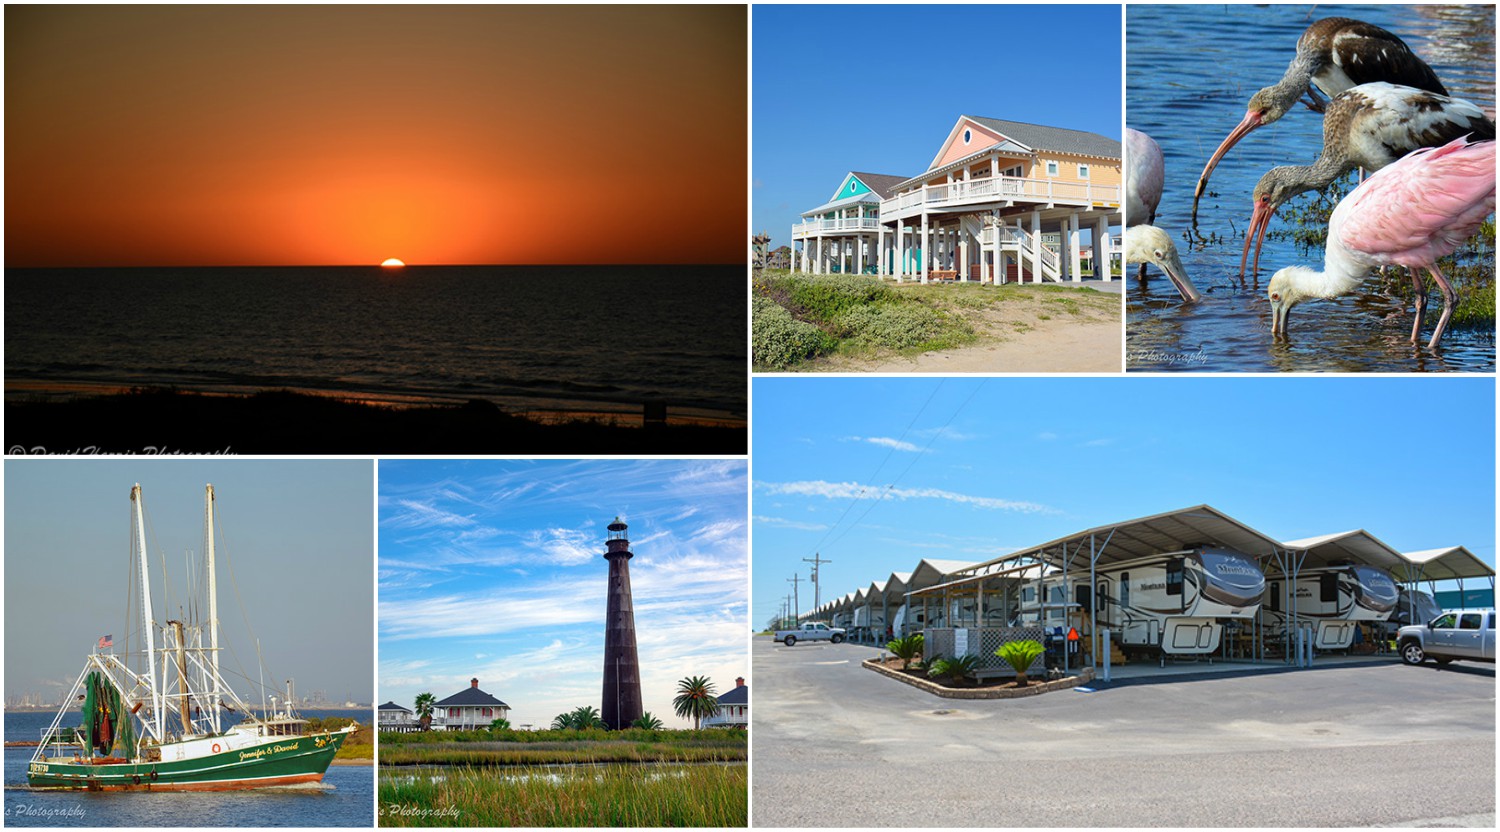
740	694
1038	137
471	696
880	183
392	706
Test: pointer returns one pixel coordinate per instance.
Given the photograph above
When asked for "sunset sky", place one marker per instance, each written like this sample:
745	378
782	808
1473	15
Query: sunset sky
336	135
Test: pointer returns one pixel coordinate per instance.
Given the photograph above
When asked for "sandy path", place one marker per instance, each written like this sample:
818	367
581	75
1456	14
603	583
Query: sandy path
1057	346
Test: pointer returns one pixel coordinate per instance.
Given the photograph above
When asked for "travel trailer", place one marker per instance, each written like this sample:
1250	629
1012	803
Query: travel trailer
1331	600
1171	604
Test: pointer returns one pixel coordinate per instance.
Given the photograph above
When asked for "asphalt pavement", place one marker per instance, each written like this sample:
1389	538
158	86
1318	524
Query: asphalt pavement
836	745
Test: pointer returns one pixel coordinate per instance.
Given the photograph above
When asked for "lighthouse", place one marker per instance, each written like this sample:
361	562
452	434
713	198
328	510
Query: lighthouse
622	670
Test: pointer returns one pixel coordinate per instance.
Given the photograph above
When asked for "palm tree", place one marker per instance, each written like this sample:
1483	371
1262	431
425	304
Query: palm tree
695	698
647	721
501	724
578	719
424	704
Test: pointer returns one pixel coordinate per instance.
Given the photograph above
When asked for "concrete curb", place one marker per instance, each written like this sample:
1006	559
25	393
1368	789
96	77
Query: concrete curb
1033	689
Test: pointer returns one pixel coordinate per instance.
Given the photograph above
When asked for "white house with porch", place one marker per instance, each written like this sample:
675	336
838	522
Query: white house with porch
734	708
468	709
840	236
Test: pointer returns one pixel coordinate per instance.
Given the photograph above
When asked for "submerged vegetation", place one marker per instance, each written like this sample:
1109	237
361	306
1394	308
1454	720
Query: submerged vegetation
633	796
798	317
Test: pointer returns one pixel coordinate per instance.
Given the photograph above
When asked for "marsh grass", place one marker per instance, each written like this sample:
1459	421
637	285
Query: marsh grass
634	796
510	747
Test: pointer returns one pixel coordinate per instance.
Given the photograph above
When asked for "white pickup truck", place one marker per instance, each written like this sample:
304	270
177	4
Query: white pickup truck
1460	634
811	631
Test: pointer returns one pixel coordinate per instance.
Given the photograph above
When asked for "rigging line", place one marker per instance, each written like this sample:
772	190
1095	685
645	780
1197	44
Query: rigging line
915	459
244	615
888	454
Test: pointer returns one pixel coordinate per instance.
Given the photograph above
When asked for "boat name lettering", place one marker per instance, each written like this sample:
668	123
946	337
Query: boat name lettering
253	755
277	749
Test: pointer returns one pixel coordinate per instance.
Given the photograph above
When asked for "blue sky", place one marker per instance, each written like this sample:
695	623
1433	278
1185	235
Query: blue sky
495	570
295	544
972	469
877	88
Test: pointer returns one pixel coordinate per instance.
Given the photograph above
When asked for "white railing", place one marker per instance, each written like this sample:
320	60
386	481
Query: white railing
1001	187
815	227
1020	239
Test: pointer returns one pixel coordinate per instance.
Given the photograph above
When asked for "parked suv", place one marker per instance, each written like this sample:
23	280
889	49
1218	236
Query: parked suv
1460	634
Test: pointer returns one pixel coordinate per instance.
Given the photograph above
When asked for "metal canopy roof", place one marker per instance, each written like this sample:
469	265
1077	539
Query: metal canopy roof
1358	545
1171	531
1449	564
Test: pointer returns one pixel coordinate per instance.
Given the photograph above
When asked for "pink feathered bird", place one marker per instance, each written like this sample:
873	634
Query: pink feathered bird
1410	213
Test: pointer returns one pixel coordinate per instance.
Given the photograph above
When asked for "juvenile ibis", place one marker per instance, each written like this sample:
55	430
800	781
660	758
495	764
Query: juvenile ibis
1149	244
1414	211
1145	172
1335	54
1369	126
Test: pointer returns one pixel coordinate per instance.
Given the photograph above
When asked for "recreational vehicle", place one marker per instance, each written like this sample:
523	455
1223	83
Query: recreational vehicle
1173	604
1331	600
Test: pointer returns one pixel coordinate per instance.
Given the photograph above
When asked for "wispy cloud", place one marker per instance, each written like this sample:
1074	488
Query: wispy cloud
1046	436
846	490
884	442
423	515
790	524
1098	443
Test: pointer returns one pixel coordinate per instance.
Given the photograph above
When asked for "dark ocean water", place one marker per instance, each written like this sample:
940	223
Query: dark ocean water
522	336
1190	71
350	801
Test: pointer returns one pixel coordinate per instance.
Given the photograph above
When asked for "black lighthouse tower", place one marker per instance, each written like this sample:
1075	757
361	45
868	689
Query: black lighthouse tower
622	670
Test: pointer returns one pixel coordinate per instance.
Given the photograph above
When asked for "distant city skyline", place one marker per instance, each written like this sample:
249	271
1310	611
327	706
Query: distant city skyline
294	560
495	570
346	135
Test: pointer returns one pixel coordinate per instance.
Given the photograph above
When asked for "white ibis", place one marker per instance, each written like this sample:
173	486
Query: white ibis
1335	54
1411	213
1369	126
1149	244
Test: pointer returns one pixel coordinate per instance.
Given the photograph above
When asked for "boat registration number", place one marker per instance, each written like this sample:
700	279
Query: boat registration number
38	768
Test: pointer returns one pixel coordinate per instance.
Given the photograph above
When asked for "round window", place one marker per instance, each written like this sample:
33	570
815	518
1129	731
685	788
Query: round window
968	134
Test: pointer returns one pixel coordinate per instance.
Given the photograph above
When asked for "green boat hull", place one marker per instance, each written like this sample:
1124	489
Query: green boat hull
279	761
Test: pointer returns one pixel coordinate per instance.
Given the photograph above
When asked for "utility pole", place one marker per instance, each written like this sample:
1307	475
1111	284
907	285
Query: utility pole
815	560
796	602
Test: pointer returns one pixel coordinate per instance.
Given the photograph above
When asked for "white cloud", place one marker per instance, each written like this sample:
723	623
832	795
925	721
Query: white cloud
845	490
1098	443
566	547
790	524
887	442
419	515
1046	436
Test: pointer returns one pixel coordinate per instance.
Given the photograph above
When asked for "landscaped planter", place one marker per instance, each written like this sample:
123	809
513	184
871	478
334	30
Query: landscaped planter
1037	687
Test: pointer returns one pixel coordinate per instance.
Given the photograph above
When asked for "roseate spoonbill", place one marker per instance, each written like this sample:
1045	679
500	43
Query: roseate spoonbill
1369	126
1145	171
1149	244
1411	213
1335	54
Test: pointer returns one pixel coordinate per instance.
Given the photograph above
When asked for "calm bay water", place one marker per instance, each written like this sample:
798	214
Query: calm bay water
349	801
586	337
1190	72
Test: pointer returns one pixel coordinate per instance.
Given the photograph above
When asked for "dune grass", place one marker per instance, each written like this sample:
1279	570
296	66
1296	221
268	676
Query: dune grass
635	796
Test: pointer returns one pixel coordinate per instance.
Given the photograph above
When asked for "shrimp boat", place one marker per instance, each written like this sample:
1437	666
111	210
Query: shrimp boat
171	723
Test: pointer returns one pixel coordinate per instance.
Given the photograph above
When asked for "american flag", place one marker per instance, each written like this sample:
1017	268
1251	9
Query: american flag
106	641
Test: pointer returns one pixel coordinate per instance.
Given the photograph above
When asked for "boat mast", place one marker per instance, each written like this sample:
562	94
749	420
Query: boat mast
182	683
140	529
213	608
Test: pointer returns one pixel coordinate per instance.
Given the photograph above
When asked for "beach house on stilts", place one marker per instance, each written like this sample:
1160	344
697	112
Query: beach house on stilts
1001	201
841	235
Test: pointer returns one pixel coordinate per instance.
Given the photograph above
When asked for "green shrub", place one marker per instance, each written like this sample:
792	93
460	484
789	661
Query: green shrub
827	297
955	667
906	648
777	340
893	327
1019	655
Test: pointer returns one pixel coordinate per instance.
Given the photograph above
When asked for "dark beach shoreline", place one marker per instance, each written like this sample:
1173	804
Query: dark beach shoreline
165	421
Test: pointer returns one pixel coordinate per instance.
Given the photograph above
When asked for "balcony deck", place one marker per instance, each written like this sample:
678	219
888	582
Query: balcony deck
1001	190
849	225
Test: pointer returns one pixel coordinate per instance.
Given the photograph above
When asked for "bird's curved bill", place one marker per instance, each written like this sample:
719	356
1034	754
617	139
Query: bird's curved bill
1248	123
1260	220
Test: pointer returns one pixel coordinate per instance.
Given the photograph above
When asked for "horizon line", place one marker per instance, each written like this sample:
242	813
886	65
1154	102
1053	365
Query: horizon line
353	265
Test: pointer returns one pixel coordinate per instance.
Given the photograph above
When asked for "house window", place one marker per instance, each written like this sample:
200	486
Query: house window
1015	171
1051	168
968	135
1083	171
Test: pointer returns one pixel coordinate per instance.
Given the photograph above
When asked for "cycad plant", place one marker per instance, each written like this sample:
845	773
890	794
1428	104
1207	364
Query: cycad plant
906	649
1019	655
955	667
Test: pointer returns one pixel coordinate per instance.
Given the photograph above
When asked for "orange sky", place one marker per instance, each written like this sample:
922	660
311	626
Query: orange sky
331	135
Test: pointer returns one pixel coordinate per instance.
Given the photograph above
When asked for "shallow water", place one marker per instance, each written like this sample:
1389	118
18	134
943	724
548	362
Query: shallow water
1190	71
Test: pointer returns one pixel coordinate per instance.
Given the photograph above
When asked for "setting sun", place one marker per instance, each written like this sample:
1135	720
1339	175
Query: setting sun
393	263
